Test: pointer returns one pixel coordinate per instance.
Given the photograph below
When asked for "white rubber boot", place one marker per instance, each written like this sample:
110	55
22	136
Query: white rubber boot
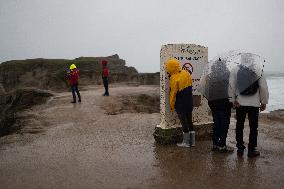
192	138
185	142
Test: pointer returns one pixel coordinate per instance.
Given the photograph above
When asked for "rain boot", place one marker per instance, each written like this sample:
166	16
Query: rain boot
185	141
192	138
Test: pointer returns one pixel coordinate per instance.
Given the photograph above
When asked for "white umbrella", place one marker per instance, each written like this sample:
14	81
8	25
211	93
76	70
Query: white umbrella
214	82
248	71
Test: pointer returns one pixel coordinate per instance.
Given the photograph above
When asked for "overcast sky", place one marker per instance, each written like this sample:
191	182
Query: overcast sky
136	29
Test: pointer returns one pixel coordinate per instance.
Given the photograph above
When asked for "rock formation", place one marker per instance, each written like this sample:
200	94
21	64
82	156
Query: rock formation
21	82
50	73
12	103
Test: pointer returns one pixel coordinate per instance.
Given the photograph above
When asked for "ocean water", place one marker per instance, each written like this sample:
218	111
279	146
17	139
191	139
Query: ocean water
276	92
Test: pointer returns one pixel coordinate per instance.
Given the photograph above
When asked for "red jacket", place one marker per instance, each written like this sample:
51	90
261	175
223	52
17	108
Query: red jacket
105	72
73	77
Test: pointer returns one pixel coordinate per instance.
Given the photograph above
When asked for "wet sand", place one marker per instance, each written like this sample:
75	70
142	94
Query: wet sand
99	144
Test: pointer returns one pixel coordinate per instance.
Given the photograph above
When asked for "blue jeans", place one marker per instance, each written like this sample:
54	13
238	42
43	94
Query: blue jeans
74	88
220	127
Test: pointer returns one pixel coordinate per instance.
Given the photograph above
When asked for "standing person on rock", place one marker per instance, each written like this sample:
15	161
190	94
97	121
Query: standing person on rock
181	99
105	73
73	77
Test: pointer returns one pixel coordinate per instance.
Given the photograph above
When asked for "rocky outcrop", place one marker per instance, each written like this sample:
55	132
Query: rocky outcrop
134	103
276	115
21	82
50	73
12	103
147	78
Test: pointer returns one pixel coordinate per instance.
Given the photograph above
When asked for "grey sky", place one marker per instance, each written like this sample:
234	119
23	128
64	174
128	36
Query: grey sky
136	29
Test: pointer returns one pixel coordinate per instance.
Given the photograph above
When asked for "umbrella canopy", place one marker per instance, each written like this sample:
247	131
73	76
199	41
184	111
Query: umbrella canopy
248	71
214	83
215	80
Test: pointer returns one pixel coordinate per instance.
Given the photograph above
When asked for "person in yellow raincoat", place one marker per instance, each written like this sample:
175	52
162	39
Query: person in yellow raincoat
73	77
181	99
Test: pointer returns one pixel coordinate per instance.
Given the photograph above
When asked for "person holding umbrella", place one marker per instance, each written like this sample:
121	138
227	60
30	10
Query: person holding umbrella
250	95
214	86
181	99
220	105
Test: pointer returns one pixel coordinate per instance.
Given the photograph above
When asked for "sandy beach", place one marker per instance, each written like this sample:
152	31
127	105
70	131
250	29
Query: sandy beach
107	142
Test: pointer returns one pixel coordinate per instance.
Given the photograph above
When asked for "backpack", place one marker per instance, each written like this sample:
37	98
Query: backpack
251	90
244	76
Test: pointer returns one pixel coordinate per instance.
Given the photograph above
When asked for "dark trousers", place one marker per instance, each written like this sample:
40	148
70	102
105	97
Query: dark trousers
74	88
105	81
186	122
221	119
253	113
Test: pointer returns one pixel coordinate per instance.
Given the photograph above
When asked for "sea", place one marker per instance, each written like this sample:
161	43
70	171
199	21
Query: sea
275	82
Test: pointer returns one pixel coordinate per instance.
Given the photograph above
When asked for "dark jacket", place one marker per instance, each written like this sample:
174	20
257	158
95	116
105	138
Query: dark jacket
220	104
184	103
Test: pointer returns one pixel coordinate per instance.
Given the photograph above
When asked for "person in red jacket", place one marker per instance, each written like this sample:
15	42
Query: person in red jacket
105	74
73	77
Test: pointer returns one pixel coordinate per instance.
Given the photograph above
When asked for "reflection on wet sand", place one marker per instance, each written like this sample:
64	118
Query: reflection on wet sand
85	147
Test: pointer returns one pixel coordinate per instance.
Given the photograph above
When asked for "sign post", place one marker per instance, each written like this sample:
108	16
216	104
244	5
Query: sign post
192	58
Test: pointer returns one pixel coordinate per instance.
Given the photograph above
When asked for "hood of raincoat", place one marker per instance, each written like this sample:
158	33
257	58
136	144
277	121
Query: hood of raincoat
173	66
73	66
104	62
179	79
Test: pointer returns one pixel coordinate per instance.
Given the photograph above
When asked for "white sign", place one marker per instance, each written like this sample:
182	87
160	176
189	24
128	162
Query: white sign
192	58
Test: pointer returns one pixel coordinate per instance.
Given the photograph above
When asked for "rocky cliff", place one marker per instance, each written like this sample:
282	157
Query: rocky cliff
50	73
22	82
13	102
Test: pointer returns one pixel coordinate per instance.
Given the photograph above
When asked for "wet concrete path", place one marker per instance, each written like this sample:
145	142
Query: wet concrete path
83	147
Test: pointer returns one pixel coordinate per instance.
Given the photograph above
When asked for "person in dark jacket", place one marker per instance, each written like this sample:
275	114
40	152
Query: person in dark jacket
181	99
105	74
73	77
220	105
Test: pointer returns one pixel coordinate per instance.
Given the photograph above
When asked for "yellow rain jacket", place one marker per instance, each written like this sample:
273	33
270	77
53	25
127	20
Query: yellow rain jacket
179	80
